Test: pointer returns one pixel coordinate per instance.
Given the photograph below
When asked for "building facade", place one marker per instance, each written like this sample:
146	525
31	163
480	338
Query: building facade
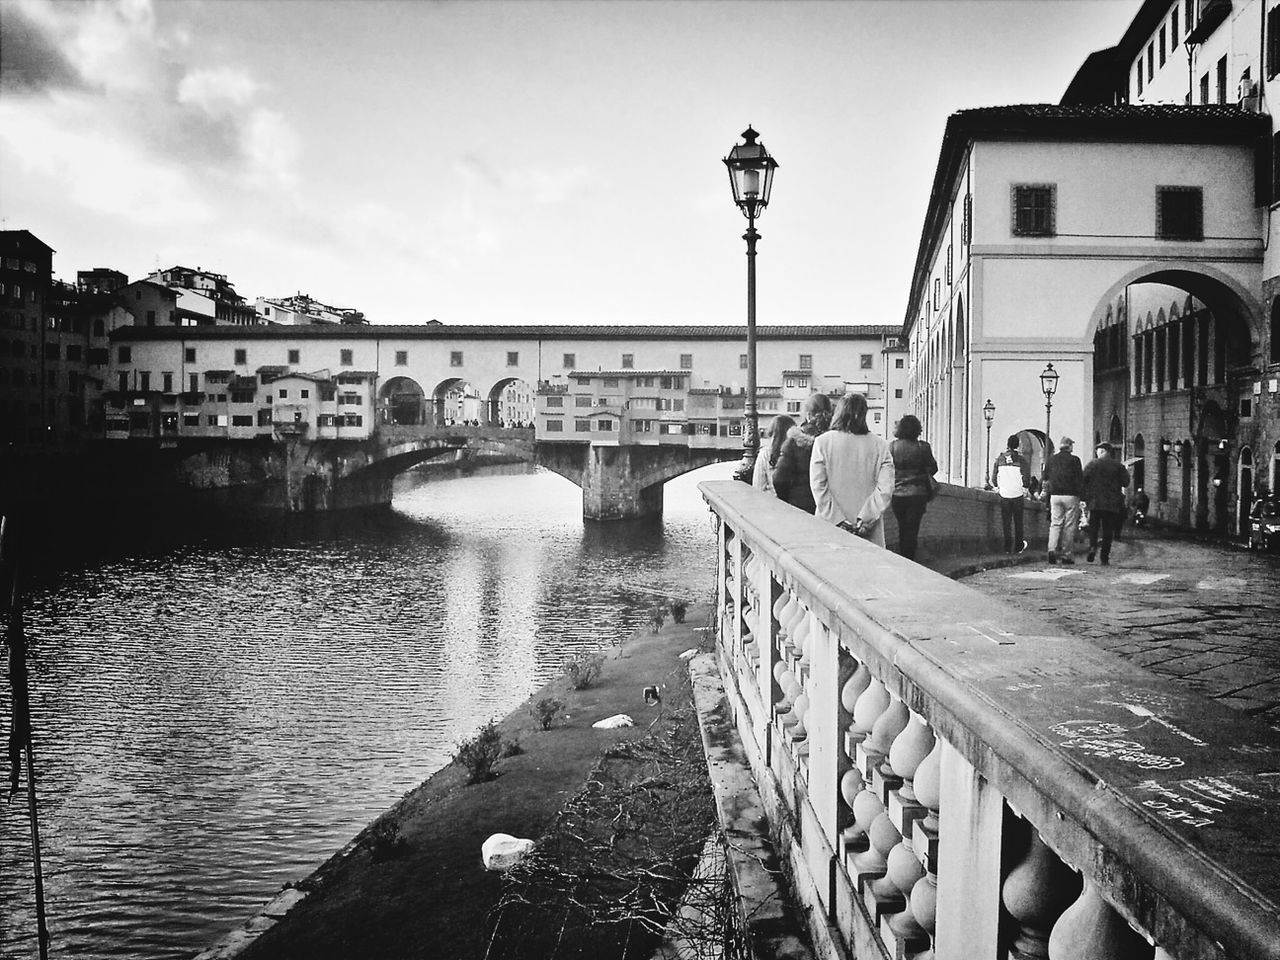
1125	236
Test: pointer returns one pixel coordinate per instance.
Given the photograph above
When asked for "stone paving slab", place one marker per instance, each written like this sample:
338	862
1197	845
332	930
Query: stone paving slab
1204	615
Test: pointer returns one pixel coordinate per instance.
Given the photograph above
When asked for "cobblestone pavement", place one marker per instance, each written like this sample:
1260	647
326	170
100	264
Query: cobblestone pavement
1202	615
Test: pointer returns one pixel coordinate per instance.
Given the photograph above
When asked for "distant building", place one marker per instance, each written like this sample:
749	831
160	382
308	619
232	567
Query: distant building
205	297
100	280
302	309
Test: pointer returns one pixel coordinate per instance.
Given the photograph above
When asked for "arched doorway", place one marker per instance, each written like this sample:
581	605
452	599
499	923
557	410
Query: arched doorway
1137	463
1244	488
1036	448
403	402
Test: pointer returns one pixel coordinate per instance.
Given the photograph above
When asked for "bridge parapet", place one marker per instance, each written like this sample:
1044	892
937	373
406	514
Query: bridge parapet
946	778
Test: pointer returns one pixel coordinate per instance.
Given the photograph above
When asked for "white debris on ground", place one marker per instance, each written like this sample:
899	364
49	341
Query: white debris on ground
689	654
503	851
612	723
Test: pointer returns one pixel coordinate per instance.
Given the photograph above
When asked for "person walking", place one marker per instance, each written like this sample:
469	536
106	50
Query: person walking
1104	483
766	460
913	484
791	472
851	472
1013	475
1063	486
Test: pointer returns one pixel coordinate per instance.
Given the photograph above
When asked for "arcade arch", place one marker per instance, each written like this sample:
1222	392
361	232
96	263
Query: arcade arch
456	401
402	401
511	402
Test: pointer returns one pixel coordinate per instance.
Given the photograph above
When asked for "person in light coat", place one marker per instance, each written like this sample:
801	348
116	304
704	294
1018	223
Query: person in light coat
851	472
767	459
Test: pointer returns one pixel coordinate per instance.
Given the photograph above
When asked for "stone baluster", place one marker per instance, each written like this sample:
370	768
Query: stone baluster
872	863
927	787
903	868
1090	929
1034	893
870	703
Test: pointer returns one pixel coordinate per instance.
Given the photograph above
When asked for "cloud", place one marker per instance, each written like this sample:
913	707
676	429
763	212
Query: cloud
33	60
186	122
217	91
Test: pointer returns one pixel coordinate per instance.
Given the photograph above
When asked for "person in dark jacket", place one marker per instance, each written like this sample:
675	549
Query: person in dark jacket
1104	483
1063	486
913	470
791	473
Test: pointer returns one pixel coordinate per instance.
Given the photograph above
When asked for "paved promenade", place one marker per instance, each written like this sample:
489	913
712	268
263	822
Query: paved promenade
1206	616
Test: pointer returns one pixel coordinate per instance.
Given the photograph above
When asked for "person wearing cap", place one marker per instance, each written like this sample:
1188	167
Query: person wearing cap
1012	476
1104	483
1063	486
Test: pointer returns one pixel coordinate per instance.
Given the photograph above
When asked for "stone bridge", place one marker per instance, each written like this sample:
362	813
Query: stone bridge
299	475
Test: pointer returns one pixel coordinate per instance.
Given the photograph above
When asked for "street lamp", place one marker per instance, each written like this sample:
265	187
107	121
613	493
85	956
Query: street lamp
988	414
1048	385
751	177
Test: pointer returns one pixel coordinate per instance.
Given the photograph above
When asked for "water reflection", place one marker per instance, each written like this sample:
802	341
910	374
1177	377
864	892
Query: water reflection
218	709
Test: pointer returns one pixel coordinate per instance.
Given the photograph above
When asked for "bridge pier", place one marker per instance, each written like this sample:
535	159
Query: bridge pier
611	489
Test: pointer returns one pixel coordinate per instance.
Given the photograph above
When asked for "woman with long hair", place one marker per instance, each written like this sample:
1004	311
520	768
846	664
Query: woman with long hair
913	469
851	472
791	472
766	460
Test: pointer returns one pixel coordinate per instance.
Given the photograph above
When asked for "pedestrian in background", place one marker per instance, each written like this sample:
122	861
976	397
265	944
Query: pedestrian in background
1104	483
851	472
1012	475
913	483
767	459
1063	486
791	472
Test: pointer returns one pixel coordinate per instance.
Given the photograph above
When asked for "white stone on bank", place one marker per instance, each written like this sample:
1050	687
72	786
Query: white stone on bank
612	723
503	851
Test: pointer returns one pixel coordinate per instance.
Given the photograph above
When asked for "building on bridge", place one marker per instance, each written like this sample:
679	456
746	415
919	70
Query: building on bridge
1127	240
302	309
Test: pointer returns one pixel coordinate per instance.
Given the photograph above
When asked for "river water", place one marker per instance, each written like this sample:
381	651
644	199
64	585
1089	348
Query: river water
215	713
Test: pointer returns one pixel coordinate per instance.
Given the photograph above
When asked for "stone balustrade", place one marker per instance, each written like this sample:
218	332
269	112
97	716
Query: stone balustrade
945	777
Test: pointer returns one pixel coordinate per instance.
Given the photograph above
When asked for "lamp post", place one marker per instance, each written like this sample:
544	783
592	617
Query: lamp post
1048	385
988	414
751	177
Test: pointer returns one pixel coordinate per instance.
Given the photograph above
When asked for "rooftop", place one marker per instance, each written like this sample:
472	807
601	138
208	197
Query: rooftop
441	331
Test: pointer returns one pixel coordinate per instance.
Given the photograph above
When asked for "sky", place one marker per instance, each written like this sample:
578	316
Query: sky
493	162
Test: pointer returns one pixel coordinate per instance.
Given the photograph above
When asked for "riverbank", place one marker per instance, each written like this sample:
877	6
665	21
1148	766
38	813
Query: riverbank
414	877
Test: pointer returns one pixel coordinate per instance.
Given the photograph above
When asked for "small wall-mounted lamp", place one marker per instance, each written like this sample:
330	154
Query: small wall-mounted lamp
1172	448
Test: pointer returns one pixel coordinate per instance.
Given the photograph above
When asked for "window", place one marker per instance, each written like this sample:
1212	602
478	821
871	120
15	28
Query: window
569	360
582	401
1173	31
284	394
1222	79
793	406
1162	37
1179	213
555	426
295	356
555	401
1273	42
242	396
948	267
1151	60
167	381
151	318
603	424
610	383
513	358
304	394
865	361
1246	408
899	363
213	418
193	383
189	354
124	355
686	361
242	357
742	361
1138	73
897	393
345	357
349	399
582	426
937	292
802	382
455	358
1033	205
628	361
790	383
806	361
328	394
1204	88
966	225
242	420
191	419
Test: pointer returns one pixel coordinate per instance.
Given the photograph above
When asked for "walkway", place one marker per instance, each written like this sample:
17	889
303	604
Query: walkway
1203	615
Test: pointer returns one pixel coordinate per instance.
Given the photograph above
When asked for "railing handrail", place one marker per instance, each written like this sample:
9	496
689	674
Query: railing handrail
958	675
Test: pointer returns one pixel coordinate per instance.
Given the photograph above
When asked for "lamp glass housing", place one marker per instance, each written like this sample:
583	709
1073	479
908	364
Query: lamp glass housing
989	411
750	174
1049	381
